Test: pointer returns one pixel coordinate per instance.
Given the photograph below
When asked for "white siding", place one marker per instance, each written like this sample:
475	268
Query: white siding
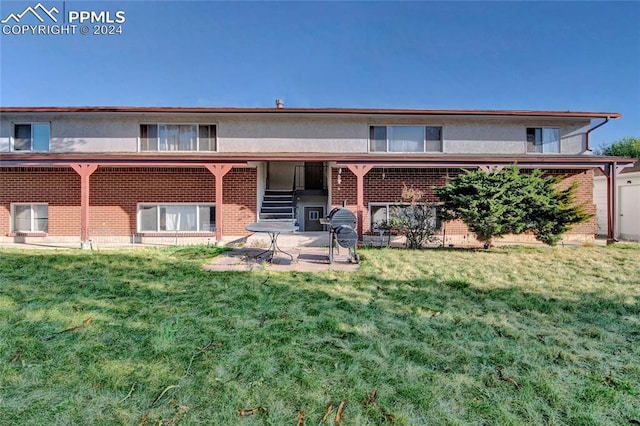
627	200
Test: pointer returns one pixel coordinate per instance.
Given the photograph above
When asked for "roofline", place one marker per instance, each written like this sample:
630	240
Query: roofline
303	111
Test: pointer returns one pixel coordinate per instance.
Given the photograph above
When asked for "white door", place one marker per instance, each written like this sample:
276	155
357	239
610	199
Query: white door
630	212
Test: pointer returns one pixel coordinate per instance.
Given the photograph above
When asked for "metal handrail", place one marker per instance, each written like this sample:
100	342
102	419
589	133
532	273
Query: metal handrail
298	186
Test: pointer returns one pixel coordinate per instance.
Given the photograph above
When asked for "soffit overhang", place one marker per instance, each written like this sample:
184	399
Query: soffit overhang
238	159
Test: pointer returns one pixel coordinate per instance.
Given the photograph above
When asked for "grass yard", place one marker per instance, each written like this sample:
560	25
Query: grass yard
506	336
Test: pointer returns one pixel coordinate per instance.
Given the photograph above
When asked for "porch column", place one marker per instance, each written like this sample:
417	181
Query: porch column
85	171
611	172
218	171
359	170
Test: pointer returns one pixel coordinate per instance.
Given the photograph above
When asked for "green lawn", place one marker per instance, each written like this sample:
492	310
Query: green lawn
506	336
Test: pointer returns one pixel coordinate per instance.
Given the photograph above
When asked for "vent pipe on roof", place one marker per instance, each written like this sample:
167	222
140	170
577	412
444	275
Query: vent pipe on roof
279	103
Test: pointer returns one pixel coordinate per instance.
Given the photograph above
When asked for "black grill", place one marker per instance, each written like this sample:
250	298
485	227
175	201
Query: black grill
340	216
342	223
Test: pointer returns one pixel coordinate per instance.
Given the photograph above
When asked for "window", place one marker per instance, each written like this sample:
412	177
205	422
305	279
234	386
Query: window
543	139
176	217
405	138
29	217
207	138
380	213
31	137
177	137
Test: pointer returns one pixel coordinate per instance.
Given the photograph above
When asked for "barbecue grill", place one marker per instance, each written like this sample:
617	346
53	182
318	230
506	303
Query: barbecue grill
342	224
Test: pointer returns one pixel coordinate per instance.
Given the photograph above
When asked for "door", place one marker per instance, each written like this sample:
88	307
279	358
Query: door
630	212
312	217
313	175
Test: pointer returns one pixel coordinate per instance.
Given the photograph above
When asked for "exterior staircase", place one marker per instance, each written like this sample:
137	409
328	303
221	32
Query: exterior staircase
277	206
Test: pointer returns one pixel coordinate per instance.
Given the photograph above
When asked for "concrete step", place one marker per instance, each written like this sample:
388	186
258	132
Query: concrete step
276	216
277	209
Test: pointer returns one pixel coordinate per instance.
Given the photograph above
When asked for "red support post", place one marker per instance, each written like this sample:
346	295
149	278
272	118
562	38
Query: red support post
611	172
85	171
359	170
218	171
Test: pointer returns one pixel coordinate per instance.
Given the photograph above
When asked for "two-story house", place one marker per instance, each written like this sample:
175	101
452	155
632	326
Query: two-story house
143	173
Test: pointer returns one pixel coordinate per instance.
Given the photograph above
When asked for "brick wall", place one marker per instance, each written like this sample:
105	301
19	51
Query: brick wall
584	196
59	188
385	185
240	204
382	185
115	193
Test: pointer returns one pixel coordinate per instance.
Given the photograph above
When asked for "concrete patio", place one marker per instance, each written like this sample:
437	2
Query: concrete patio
305	259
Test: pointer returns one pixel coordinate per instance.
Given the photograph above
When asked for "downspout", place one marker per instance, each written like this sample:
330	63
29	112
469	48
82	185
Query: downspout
606	120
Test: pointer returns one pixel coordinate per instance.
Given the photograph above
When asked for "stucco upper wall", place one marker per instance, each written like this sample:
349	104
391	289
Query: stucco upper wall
75	133
120	133
508	136
293	135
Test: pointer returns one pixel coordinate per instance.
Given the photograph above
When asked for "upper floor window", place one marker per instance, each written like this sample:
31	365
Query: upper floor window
177	137
543	139
405	138
31	136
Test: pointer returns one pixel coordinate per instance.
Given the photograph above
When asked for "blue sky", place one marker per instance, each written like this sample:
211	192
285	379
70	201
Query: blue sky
580	56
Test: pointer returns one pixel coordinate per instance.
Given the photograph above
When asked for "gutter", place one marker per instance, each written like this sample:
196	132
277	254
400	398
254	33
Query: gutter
606	120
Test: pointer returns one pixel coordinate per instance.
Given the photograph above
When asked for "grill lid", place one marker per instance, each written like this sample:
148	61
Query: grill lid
340	216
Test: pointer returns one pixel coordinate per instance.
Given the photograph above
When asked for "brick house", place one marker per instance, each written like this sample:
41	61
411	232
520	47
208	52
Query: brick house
73	174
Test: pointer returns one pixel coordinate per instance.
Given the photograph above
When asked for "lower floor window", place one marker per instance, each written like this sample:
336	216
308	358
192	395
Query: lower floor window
176	217
30	217
383	214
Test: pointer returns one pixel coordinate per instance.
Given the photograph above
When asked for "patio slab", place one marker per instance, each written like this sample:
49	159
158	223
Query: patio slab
305	259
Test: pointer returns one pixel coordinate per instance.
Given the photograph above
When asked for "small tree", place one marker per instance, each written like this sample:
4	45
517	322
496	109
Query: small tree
625	147
488	203
551	211
414	219
508	202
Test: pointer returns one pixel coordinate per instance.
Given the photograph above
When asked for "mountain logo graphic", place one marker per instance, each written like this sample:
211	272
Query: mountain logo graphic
43	11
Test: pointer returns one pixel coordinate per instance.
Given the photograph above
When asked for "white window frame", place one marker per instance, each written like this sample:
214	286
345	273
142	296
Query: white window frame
388	206
542	129
29	123
33	218
424	139
176	124
159	205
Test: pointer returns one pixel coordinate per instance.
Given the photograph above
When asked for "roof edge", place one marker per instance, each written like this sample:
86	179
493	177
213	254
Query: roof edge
336	111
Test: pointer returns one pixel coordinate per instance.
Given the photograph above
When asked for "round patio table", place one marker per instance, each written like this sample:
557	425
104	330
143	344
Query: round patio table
273	229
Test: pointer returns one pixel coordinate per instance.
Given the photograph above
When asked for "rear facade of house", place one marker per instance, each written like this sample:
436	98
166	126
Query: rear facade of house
197	175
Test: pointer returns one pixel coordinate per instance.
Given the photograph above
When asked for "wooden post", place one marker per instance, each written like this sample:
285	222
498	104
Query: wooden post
218	171
611	172
359	170
85	171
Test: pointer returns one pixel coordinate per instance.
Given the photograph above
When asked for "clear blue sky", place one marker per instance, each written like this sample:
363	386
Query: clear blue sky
581	56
